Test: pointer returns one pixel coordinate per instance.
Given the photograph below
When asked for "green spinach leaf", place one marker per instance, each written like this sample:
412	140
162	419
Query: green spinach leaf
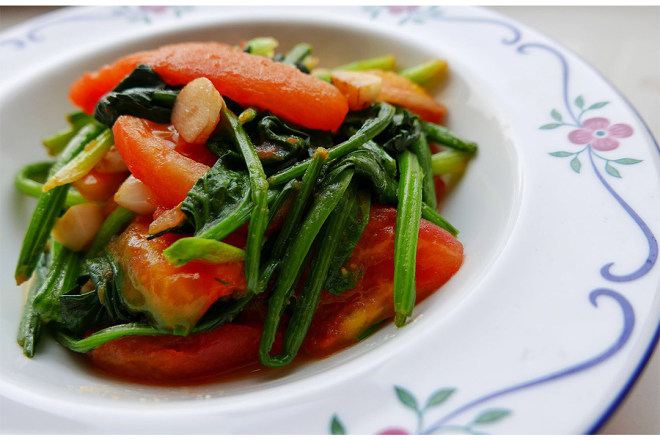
142	93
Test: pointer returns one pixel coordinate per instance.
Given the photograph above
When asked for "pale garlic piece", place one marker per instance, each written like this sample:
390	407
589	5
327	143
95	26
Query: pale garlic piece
134	195
360	89
111	162
196	110
78	226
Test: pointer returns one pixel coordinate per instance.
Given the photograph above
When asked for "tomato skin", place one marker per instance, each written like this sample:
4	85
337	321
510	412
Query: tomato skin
168	358
339	320
175	297
169	174
247	79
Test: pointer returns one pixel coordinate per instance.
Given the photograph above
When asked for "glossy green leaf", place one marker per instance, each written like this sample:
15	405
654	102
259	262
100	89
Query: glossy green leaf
406	398
491	416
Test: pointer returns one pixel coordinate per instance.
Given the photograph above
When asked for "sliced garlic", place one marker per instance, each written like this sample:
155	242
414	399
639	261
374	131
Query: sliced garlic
196	110
360	89
134	195
78	226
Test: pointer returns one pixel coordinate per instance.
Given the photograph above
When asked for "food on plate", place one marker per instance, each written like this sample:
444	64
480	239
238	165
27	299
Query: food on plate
213	207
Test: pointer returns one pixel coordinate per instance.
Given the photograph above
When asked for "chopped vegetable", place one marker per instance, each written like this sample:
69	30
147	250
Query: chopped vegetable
78	226
49	206
360	89
277	87
199	242
196	110
168	174
135	196
403	92
431	71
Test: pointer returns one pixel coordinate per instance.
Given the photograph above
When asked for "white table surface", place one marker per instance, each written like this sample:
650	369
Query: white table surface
623	44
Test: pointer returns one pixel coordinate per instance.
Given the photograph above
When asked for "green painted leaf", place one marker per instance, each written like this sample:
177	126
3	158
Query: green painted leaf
627	161
439	397
550	126
576	165
406	397
561	154
579	101
598	105
491	416
336	427
555	115
612	171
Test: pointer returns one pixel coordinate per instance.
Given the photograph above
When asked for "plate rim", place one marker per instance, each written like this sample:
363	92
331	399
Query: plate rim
656	336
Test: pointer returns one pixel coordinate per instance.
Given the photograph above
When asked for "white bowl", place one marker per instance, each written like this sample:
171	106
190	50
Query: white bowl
515	315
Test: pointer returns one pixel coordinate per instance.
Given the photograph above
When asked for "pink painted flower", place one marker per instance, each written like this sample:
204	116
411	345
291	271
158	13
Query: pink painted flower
600	134
156	9
394	431
401	9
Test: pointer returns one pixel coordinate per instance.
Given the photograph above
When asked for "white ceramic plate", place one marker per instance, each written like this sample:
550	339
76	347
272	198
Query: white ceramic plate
543	329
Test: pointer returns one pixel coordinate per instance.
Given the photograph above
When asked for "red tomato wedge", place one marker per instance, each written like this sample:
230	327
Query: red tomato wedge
168	358
176	297
154	161
403	92
250	80
340	320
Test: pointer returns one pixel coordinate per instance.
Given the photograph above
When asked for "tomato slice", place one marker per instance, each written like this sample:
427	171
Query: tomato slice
340	320
175	297
169	358
154	161
250	80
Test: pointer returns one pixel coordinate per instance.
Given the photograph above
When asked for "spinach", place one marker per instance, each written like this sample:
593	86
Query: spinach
339	277
82	311
401	133
372	165
108	278
142	93
61	278
29	330
279	144
218	195
96	300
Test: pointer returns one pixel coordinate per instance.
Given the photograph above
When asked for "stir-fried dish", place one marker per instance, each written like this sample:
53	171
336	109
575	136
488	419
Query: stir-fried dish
213	207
